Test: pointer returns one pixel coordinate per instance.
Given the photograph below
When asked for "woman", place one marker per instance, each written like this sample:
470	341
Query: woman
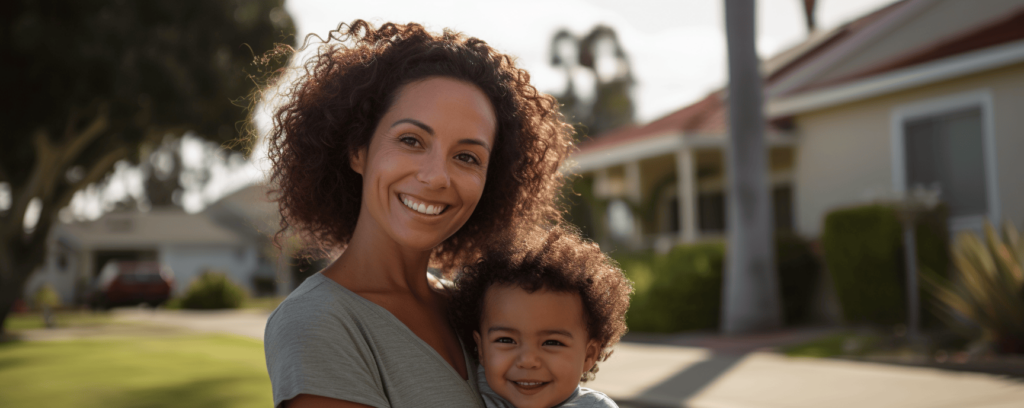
405	149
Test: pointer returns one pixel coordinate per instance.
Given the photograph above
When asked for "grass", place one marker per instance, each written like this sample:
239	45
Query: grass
843	344
178	371
66	318
260	303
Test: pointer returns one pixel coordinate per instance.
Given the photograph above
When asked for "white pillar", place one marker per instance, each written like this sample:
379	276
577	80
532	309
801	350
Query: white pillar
633	190
686	185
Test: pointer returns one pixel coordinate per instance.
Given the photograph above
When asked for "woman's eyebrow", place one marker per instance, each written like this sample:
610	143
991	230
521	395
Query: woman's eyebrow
477	142
422	125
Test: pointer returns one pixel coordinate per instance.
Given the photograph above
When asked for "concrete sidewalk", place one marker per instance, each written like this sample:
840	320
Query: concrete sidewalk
710	371
645	375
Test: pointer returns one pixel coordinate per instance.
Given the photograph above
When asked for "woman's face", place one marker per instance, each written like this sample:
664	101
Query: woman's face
425	167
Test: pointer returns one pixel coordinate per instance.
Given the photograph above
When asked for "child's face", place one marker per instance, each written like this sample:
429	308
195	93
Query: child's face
534	347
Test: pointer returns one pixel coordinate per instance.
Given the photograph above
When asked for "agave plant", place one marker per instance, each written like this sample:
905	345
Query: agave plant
988	287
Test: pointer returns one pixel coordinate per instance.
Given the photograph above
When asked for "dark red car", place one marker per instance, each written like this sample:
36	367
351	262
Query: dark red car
124	283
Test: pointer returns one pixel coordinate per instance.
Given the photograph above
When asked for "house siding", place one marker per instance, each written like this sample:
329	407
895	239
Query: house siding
845	154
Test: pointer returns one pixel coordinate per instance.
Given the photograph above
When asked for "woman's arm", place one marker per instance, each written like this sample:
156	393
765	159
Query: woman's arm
316	401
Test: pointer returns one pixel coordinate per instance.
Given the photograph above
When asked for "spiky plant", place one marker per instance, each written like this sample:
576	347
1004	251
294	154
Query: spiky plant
988	285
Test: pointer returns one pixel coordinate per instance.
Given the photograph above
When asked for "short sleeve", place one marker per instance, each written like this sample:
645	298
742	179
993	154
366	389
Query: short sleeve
588	398
312	349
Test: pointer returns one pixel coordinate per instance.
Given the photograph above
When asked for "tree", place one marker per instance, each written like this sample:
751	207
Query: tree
751	289
600	56
94	82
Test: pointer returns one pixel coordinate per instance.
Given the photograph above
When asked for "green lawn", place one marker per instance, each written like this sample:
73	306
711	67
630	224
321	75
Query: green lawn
179	371
841	344
63	318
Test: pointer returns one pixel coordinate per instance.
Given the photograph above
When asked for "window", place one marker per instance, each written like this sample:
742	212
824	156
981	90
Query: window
945	145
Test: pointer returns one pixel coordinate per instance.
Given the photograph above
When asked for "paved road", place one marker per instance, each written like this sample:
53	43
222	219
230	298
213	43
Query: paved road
733	376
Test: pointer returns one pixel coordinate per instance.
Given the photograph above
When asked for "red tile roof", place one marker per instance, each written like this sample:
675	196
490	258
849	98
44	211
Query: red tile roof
709	116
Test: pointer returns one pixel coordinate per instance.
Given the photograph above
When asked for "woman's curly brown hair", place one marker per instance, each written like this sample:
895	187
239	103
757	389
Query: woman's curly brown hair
557	260
332	109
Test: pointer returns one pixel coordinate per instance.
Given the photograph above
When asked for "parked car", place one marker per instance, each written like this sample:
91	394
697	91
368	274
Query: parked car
124	283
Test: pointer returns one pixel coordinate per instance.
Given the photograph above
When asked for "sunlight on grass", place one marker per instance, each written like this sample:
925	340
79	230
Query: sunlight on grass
69	318
180	371
831	346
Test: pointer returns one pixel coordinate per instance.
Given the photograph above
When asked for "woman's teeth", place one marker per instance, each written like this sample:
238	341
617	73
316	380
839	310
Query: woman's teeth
422	208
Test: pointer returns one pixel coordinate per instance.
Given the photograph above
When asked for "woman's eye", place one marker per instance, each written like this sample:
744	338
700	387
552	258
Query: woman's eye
409	140
553	343
468	158
505	340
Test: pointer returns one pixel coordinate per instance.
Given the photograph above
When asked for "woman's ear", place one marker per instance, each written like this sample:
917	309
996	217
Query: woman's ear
358	160
479	350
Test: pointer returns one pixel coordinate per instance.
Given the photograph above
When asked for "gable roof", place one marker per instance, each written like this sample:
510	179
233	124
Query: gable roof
708	116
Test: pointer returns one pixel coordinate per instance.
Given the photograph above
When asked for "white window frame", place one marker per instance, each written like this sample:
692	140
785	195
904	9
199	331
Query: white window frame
981	98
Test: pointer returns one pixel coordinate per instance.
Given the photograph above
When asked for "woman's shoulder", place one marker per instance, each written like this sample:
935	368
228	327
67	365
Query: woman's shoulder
318	304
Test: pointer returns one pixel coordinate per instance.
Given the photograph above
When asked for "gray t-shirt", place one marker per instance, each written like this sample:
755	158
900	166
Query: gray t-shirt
326	340
581	398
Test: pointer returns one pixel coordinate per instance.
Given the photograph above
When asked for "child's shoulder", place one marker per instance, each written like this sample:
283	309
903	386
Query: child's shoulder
588	398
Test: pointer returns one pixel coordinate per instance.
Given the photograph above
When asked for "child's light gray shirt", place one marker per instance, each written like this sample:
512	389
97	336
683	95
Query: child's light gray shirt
581	398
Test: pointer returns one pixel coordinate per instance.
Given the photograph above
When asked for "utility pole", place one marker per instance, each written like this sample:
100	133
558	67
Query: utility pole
750	300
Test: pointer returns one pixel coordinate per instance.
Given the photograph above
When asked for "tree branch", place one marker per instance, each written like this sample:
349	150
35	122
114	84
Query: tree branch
76	143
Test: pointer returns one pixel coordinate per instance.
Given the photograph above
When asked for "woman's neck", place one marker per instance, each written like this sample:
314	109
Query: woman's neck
375	263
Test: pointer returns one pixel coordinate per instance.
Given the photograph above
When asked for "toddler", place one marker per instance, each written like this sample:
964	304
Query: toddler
542	315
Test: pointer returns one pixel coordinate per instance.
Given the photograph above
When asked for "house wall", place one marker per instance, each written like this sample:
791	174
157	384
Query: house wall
845	152
188	262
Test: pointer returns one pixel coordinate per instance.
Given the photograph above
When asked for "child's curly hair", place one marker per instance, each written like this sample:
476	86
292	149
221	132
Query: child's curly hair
556	260
331	109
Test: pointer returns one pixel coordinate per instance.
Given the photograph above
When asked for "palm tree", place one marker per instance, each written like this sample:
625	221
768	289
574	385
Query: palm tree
751	289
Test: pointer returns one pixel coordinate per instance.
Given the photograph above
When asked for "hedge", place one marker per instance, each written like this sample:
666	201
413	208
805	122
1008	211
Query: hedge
213	290
682	290
864	254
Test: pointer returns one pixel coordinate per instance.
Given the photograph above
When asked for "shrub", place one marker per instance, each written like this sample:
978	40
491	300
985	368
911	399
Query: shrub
799	270
864	254
677	291
683	289
213	290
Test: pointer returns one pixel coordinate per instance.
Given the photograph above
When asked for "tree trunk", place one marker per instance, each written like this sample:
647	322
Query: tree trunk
751	290
12	282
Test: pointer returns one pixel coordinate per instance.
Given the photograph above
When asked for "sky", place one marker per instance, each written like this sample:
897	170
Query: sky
676	49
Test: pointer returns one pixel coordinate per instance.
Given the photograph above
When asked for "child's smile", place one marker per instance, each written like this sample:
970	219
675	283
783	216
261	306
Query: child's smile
534	347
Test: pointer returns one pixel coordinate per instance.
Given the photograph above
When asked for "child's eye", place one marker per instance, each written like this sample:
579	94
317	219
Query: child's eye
506	340
553	343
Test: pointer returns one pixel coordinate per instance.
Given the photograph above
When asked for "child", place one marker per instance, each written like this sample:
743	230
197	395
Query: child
541	316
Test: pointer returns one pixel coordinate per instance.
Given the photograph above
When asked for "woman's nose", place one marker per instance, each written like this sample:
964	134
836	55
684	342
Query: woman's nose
434	172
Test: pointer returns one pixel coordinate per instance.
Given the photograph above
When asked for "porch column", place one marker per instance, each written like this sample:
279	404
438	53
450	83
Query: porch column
686	185
633	190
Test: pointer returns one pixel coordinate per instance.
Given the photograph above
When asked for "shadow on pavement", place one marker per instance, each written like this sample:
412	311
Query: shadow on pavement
674	391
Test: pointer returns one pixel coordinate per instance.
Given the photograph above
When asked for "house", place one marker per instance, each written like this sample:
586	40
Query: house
229	236
921	93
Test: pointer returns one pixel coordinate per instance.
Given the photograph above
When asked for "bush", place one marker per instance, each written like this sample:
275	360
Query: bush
213	290
677	291
799	270
683	289
864	254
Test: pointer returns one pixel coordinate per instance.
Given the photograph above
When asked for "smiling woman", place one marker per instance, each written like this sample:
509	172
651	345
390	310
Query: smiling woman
403	149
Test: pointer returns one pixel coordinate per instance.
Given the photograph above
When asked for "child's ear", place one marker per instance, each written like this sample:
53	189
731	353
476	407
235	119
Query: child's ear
357	160
479	349
593	351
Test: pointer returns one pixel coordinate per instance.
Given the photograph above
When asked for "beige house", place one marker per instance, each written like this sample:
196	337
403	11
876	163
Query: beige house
922	93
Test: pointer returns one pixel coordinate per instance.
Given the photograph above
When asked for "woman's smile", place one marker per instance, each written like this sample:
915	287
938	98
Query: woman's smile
422	206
